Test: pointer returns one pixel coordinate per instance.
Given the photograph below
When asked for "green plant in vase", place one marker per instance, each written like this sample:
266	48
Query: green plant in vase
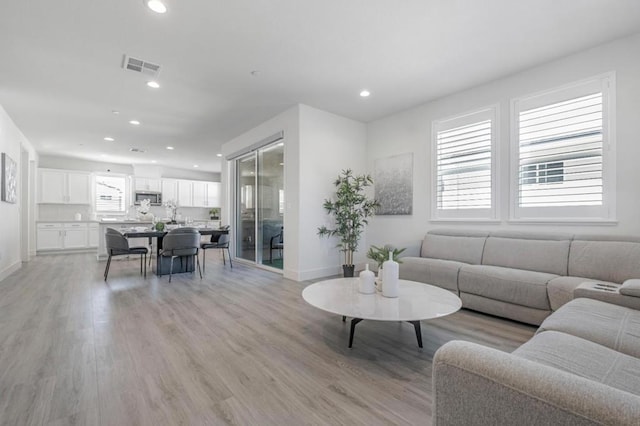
381	254
214	213
350	210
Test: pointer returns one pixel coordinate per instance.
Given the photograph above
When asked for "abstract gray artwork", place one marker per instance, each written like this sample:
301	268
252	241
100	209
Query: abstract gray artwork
9	192
393	180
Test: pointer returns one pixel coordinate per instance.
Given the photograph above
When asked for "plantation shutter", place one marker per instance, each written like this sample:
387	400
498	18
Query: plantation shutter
464	158
560	153
110	193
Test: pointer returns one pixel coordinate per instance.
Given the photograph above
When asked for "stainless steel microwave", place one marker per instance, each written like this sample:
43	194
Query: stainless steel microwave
154	197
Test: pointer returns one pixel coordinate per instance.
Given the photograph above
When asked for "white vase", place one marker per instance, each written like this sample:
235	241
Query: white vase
367	281
390	277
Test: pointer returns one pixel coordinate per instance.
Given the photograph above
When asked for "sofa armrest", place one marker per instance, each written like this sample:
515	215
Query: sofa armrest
606	292
476	385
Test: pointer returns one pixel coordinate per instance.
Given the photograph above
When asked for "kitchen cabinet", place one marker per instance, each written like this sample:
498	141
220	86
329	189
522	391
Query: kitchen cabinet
169	190
147	184
213	194
199	194
64	187
63	236
93	235
49	236
185	193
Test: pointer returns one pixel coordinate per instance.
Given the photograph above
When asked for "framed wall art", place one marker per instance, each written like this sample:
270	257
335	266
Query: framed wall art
393	182
9	181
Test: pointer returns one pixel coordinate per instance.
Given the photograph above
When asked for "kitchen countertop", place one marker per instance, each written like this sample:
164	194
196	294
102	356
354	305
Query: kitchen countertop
67	221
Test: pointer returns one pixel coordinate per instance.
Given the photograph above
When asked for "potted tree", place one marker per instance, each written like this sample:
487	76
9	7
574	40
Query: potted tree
214	213
350	211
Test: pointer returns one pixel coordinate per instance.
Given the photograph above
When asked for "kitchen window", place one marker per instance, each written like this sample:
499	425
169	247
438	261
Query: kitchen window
563	159
110	194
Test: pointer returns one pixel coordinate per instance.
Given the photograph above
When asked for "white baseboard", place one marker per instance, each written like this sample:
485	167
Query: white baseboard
312	274
10	270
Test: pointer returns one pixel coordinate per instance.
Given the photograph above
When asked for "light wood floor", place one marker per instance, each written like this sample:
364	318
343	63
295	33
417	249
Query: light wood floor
238	347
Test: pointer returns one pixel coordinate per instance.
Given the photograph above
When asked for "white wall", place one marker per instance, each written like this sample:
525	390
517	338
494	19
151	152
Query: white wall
410	131
329	144
318	145
11	142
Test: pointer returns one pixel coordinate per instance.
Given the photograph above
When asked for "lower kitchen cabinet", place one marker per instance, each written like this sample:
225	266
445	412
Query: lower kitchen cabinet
66	236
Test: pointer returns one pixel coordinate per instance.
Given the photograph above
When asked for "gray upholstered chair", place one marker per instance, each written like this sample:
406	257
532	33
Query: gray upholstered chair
218	241
118	245
276	243
181	242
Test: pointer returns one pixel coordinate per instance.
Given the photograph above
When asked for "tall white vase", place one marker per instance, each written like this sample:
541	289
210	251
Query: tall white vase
390	277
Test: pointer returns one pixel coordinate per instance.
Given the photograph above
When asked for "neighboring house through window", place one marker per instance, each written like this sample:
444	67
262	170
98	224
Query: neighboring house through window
563	153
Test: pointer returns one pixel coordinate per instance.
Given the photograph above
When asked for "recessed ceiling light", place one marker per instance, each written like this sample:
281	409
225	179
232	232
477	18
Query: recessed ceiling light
196	166
156	5
109	139
153	161
153	84
115	111
218	155
365	93
103	155
169	148
134	122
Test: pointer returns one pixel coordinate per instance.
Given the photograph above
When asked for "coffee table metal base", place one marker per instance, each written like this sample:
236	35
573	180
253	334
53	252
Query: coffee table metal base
355	321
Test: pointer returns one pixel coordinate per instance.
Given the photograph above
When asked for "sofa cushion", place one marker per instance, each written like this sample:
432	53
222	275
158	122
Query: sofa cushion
454	245
615	261
539	255
583	358
526	288
441	273
631	288
613	326
560	290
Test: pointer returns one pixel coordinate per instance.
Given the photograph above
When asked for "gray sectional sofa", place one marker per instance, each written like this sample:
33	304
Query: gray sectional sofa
521	276
582	367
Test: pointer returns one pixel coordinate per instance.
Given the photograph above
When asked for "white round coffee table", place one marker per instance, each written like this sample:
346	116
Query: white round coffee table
416	301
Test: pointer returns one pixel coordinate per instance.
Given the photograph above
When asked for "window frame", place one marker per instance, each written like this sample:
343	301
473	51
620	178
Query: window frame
491	214
126	197
563	214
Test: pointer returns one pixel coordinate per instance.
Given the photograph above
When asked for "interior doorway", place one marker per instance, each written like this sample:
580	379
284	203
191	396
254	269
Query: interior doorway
259	195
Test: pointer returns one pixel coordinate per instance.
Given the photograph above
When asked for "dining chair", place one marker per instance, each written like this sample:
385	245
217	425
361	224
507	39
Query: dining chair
218	241
276	243
181	242
118	245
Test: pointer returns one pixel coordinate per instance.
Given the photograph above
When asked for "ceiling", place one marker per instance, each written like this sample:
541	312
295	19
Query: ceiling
61	72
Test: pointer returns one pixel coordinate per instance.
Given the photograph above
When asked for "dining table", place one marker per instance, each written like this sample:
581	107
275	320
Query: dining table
162	265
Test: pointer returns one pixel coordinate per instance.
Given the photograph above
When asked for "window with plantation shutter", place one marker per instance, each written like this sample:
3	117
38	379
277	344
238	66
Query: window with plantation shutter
110	194
562	144
464	156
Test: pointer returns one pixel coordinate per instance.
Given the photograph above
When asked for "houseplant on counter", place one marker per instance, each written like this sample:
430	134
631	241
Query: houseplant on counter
171	207
350	211
214	213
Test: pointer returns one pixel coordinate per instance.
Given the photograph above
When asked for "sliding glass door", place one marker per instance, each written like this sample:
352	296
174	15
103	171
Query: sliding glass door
260	205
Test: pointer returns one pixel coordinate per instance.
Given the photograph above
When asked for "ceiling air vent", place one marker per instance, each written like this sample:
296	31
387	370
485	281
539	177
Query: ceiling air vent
136	150
141	66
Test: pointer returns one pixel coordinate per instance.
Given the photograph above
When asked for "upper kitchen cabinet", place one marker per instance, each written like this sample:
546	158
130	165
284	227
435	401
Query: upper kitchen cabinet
147	184
64	187
169	190
185	193
213	194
